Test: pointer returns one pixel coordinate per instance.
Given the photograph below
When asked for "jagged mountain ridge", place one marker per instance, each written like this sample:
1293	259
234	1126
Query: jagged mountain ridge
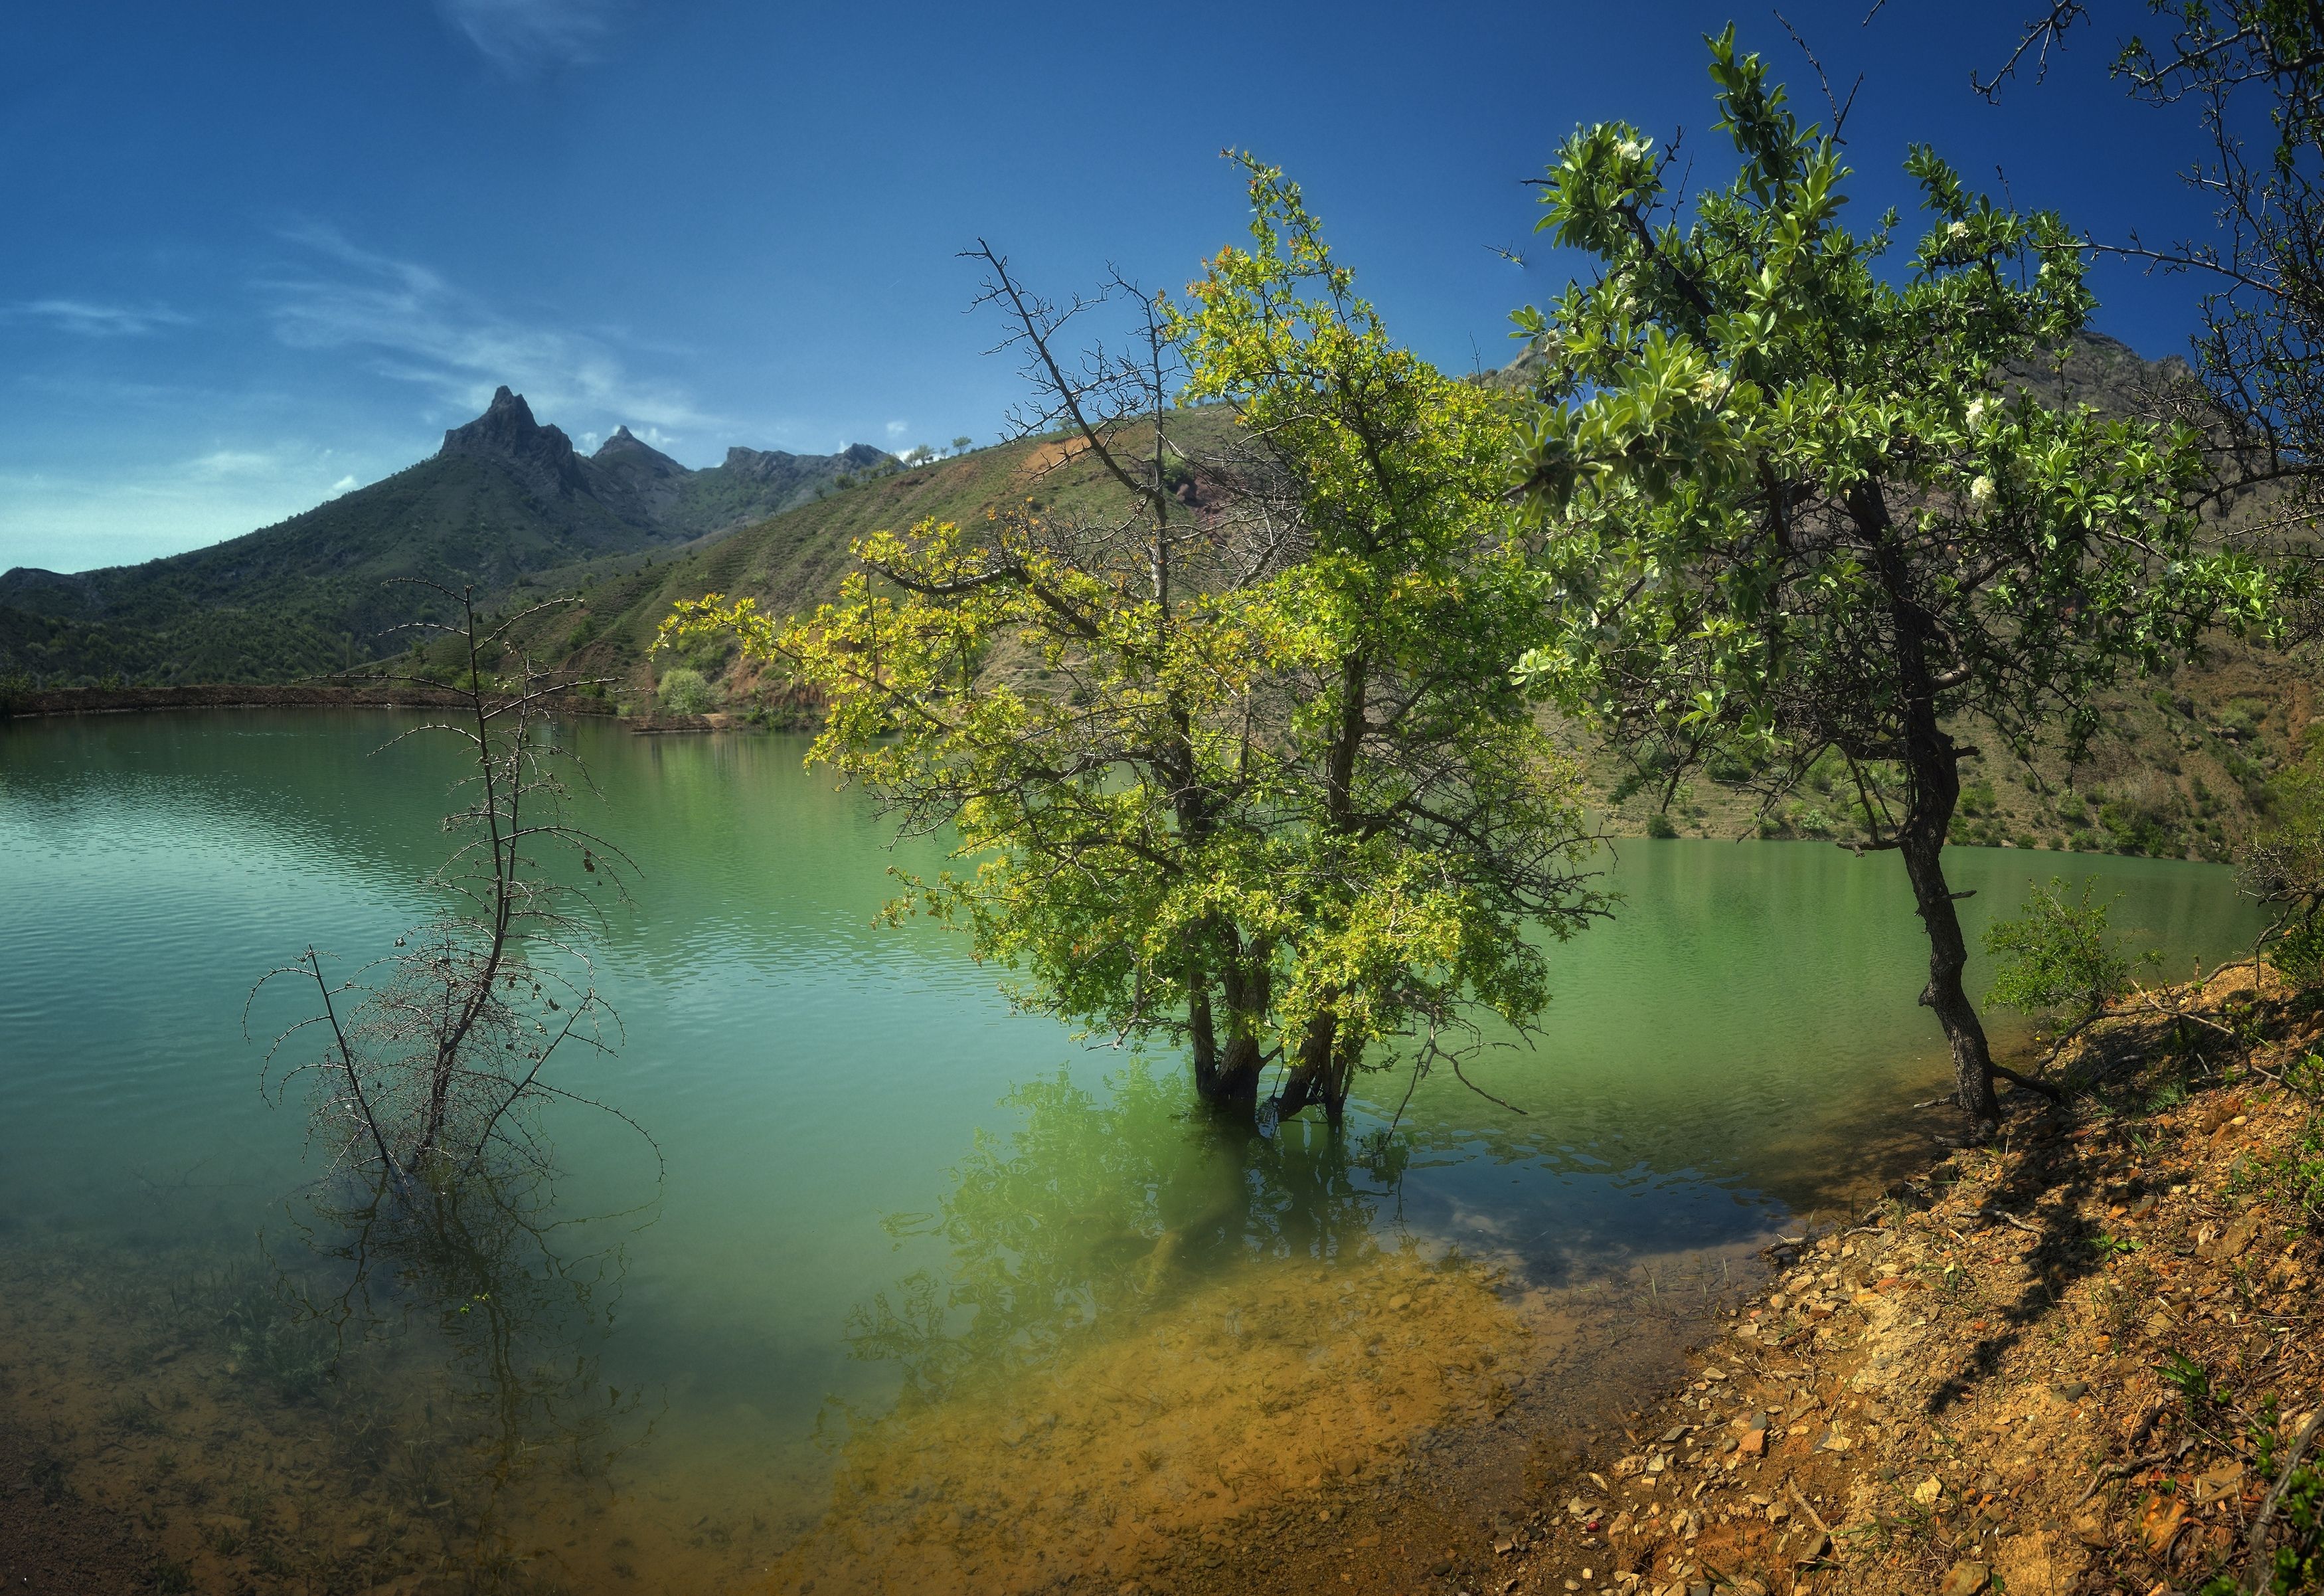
503	500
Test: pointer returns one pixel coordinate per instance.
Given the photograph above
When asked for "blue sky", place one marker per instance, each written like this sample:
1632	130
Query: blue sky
262	253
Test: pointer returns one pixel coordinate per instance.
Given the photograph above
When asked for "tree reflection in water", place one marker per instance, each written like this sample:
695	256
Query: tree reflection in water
1145	1322
468	1324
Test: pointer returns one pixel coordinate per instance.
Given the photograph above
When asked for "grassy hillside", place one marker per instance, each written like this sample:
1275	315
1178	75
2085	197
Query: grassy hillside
305	595
2180	769
754	485
795	560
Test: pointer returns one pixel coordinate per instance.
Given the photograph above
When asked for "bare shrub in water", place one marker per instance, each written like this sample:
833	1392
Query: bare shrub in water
435	1054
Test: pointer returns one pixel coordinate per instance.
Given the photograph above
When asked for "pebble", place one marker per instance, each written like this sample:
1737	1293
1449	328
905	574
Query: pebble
1966	1578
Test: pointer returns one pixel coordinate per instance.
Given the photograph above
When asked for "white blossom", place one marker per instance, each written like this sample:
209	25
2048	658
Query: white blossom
1982	494
1957	231
1975	410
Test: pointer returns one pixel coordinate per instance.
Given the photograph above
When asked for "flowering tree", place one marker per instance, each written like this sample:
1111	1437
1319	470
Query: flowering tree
1238	762
1791	508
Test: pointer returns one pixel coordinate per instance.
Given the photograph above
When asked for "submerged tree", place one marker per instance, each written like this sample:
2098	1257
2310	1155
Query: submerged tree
1791	506
435	1054
1237	760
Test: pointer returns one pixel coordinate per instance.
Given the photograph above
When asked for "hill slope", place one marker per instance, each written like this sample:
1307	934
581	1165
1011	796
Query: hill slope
794	560
503	500
2181	769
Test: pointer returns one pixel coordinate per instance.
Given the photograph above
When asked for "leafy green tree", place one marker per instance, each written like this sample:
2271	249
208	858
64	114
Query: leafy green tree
1791	508
2253	72
1254	777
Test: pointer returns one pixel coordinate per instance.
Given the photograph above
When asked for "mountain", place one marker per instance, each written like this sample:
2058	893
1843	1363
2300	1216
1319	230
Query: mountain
504	500
795	559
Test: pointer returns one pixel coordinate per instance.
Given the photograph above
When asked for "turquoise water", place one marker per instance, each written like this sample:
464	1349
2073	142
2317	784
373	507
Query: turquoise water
1737	1048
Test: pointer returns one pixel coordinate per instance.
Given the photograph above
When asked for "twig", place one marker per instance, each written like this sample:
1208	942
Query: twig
1480	1091
1838	111
393	1171
2256	1573
2117	1470
1813	1517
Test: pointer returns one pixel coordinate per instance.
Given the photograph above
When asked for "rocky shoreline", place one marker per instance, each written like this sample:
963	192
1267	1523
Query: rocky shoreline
2079	1361
2074	1362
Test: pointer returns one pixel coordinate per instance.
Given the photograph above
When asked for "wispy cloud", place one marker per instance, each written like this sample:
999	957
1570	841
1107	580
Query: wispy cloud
522	37
95	320
422	329
220	463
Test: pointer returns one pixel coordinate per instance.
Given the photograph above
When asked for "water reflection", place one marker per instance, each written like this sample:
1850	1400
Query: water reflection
401	1395
1104	1201
491	1308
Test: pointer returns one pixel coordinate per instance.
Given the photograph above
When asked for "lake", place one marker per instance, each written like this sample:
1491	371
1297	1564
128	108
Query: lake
869	1282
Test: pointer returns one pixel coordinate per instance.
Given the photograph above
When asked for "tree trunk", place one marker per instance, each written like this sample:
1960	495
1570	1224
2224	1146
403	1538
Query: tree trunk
1323	1068
1226	1078
1202	1038
1948	958
1325	1073
1932	773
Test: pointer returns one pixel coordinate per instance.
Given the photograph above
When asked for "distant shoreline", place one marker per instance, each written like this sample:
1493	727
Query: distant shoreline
59	701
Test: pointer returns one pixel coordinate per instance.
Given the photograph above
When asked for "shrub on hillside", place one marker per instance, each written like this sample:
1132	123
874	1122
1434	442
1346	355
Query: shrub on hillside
686	691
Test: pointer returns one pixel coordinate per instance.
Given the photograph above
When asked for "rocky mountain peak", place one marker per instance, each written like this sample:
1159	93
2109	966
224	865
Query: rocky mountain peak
626	448
758	465
542	456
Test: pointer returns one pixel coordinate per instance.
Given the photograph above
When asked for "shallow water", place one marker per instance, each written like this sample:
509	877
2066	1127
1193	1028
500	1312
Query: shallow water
918	1290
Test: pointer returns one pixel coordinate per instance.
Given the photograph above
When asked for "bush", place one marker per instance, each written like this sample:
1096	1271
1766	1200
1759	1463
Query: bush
686	691
1658	824
2283	867
2058	959
1808	820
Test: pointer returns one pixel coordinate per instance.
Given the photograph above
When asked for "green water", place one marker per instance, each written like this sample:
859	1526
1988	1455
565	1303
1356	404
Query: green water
873	1180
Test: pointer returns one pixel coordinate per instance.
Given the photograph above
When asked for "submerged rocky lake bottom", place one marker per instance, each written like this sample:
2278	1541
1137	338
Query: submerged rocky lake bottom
846	1277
